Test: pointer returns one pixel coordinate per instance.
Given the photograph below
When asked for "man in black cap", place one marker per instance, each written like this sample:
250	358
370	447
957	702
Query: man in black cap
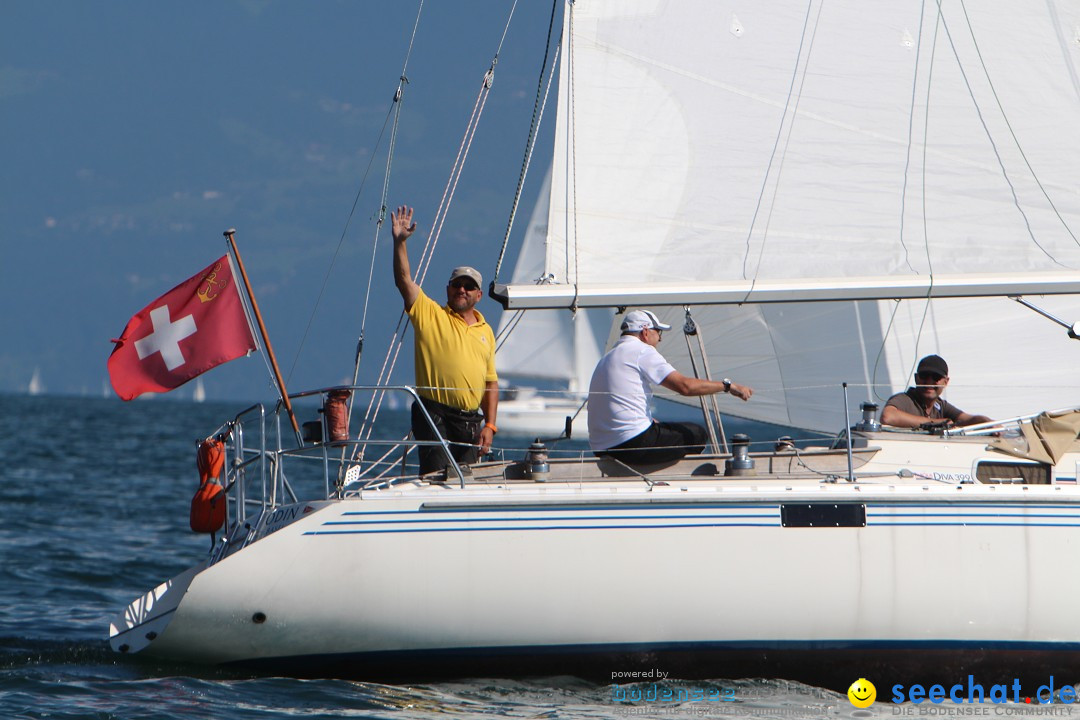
922	404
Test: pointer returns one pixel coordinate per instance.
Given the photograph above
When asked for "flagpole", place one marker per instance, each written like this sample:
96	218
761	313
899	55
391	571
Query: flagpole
262	331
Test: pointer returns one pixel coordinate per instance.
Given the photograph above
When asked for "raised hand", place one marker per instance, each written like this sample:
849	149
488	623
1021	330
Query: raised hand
402	223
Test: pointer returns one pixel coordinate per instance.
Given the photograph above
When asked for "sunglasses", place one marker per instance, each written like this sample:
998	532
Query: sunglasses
930	377
466	284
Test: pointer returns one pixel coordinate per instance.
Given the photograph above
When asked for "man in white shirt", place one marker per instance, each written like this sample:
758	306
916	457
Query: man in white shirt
620	421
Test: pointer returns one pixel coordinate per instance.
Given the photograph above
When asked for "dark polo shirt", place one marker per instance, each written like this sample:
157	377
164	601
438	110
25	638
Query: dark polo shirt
909	403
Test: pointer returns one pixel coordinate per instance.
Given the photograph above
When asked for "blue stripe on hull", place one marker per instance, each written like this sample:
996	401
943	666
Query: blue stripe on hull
668	516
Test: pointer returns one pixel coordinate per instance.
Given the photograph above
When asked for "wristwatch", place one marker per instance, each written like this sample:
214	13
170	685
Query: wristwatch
727	385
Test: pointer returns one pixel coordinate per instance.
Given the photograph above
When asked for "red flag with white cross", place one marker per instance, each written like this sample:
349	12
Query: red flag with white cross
197	325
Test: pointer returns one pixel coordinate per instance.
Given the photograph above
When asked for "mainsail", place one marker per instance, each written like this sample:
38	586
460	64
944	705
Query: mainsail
764	151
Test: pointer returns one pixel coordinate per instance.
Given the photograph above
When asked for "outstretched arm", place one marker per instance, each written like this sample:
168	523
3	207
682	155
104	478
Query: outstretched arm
969	419
896	417
403	226
693	387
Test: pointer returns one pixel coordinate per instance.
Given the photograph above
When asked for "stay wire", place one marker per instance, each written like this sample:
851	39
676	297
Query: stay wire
392	111
1012	133
341	241
911	136
787	140
393	352
572	135
989	136
390	361
776	143
399	94
534	125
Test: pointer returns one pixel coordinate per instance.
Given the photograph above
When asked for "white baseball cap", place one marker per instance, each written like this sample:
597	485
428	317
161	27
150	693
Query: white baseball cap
638	320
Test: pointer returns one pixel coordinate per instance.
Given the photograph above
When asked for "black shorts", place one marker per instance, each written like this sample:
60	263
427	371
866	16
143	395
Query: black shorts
662	442
457	426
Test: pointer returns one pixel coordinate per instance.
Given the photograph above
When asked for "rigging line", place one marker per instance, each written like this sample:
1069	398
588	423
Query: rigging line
881	351
512	323
1012	133
398	97
776	142
341	241
515	319
455	177
463	151
926	140
997	153
444	204
910	140
919	333
455	170
787	140
392	146
938	23
367	423
538	112
573	150
370	426
356	201
506	29
429	249
1063	44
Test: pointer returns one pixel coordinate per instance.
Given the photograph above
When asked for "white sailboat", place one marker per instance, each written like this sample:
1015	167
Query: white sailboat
36	386
198	391
557	347
797	176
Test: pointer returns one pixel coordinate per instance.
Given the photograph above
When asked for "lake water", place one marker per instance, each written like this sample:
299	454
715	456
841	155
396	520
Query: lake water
95	496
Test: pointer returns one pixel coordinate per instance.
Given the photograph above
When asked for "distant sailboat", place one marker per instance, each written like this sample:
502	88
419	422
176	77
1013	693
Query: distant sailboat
36	386
551	346
198	393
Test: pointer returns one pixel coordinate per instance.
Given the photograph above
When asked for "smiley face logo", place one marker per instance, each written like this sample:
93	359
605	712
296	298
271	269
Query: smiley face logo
862	693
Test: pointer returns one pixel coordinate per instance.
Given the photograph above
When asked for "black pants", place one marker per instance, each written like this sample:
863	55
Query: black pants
457	426
662	442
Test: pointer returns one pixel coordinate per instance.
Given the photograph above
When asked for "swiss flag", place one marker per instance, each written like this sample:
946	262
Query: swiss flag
197	325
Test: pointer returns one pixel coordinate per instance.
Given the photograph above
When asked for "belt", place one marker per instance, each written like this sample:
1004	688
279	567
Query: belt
438	407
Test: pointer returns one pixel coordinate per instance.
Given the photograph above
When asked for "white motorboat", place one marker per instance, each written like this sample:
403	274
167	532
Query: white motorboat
525	411
557	348
830	191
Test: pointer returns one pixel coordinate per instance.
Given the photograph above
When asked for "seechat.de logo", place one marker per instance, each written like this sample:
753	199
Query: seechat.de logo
862	693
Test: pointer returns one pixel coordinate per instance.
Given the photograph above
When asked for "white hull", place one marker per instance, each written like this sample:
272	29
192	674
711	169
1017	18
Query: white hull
518	576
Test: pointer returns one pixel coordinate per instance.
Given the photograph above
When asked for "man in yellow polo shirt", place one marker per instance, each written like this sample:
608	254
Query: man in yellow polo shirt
454	356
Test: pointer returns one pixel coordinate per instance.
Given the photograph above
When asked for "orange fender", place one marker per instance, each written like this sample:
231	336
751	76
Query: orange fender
210	459
208	508
208	505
